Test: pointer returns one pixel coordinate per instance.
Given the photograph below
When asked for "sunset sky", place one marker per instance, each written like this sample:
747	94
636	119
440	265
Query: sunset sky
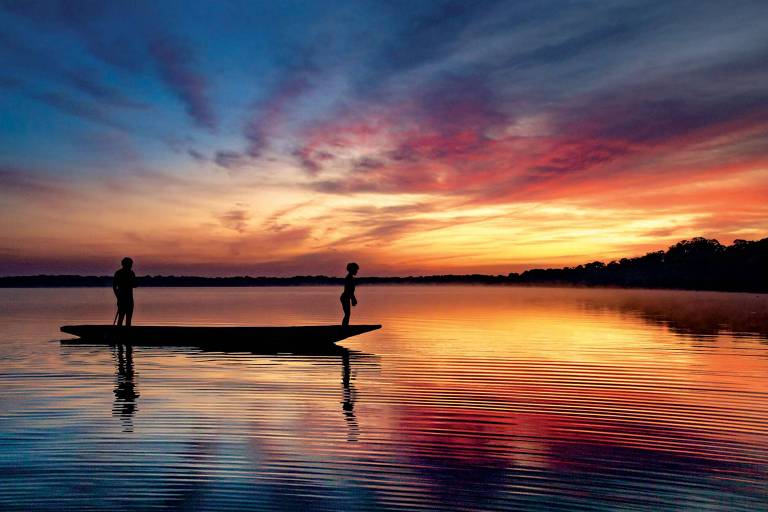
414	137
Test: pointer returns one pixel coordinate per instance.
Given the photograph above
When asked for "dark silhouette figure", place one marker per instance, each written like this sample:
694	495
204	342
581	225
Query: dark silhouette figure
348	298
123	284
125	389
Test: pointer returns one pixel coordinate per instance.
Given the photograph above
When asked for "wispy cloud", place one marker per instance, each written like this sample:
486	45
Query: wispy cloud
230	159
77	108
21	187
86	82
175	61
235	219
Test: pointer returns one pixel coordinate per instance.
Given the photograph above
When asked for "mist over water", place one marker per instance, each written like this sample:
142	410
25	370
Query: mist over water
468	398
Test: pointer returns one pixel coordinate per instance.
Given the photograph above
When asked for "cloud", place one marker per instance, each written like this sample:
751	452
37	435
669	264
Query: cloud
35	62
312	160
108	147
77	108
175	61
270	114
87	83
457	136
31	186
94	23
235	219
229	159
621	110
269	243
273	117
20	182
197	155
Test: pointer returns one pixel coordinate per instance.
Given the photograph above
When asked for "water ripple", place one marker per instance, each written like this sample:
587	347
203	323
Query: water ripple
470	398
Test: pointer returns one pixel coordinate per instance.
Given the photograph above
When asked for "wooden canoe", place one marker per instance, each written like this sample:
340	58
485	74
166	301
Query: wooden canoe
246	337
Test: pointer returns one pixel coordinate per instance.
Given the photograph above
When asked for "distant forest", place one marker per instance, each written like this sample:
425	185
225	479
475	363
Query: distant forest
696	264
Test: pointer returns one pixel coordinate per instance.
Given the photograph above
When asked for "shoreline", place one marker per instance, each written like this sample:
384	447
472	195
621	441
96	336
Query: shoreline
21	282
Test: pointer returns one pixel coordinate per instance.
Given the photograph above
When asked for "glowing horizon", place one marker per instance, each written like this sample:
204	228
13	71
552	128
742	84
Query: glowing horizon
441	137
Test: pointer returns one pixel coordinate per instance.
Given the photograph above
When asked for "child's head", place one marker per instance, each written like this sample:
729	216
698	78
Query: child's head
127	263
352	268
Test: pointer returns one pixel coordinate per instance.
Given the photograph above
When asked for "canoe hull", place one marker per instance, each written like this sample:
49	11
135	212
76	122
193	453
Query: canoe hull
149	335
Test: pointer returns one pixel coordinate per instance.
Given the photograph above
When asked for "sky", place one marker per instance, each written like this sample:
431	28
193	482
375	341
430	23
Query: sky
290	137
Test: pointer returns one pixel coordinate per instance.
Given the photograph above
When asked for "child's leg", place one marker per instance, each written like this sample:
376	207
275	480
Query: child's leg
345	305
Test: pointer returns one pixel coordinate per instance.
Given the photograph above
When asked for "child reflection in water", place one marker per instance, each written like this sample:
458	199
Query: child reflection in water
348	296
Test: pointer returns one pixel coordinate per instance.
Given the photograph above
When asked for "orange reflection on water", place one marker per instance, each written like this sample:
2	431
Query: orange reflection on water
480	395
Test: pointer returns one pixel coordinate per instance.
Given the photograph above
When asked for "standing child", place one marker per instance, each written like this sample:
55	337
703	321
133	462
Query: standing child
348	296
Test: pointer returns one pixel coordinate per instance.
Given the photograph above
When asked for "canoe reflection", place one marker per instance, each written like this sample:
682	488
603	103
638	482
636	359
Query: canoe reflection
126	391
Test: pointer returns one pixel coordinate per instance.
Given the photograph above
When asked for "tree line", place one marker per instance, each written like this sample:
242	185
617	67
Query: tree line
696	264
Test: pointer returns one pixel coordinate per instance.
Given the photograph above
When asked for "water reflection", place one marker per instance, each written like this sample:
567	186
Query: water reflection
700	314
477	398
323	355
126	394
125	388
348	404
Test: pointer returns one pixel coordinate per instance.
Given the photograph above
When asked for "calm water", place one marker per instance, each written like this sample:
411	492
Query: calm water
469	398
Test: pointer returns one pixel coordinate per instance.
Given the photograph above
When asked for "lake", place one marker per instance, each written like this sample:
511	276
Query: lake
468	398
